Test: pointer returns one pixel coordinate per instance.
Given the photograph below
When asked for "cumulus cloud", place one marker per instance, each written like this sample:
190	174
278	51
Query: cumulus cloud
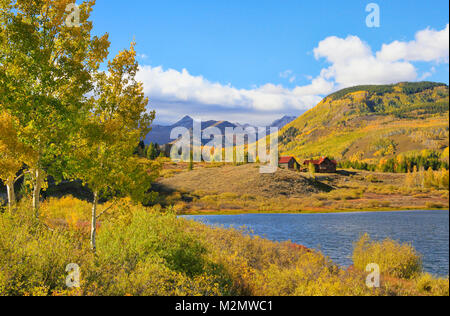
175	86
353	63
429	45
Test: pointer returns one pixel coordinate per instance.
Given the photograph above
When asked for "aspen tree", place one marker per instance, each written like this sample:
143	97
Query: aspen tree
46	67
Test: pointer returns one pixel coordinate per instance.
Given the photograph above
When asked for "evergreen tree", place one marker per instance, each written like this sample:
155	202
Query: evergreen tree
152	153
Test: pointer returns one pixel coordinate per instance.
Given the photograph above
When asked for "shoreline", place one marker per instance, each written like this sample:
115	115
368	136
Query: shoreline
338	261
245	212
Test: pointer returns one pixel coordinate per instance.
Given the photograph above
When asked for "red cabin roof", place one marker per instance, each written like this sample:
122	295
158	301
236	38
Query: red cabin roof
320	161
284	160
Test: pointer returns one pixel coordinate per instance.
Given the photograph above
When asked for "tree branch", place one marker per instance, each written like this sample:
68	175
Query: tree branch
105	210
22	175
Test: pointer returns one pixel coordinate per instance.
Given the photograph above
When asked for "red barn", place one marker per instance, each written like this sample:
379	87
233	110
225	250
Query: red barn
323	165
289	163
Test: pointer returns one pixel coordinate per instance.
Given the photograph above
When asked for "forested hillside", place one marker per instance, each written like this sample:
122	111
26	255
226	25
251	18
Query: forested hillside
374	123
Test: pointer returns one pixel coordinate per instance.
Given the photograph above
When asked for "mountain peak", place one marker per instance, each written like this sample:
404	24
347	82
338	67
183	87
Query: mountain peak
185	120
285	120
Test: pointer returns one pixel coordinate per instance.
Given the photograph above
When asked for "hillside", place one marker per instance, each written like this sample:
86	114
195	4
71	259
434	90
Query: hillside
372	122
225	189
245	179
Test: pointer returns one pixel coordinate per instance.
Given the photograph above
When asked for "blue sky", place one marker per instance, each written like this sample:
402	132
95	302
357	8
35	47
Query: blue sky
254	61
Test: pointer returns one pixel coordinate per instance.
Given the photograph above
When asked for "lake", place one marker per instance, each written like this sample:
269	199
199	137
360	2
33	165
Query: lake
334	234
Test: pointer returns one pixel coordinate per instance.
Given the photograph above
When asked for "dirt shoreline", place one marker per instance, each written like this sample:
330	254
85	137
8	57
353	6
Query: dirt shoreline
244	212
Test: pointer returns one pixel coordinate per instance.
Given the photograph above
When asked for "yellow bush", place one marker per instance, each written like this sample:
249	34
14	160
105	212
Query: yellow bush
401	261
169	173
228	196
426	284
67	208
180	207
145	251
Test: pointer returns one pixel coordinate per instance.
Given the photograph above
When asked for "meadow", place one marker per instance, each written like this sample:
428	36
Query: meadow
148	251
231	189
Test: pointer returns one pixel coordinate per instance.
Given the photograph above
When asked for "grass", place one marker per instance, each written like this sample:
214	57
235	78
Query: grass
241	189
143	251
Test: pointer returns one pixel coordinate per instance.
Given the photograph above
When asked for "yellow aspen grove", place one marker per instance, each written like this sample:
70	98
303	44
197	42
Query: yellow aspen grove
14	155
47	59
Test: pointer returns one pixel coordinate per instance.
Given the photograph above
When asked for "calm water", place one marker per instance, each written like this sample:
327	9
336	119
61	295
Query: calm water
334	234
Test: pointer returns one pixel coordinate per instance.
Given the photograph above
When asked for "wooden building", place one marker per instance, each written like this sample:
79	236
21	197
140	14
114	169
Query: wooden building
289	163
323	165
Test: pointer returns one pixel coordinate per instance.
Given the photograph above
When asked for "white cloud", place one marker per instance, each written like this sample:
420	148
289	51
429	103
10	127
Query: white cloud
288	74
428	73
429	45
285	74
318	86
142	56
352	62
174	86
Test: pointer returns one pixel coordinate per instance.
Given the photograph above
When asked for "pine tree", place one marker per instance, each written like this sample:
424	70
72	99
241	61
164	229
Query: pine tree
152	153
191	162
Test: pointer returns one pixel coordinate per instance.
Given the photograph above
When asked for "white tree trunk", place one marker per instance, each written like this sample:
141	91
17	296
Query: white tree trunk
38	178
11	194
94	222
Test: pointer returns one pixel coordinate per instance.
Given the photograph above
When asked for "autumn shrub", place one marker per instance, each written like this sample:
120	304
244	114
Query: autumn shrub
378	204
341	194
180	207
397	260
433	205
426	284
173	198
67	208
169	173
371	178
261	267
228	196
149	277
154	244
143	251
248	197
140	252
33	258
428	179
128	242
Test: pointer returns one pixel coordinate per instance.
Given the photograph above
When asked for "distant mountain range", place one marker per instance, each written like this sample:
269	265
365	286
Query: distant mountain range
161	134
